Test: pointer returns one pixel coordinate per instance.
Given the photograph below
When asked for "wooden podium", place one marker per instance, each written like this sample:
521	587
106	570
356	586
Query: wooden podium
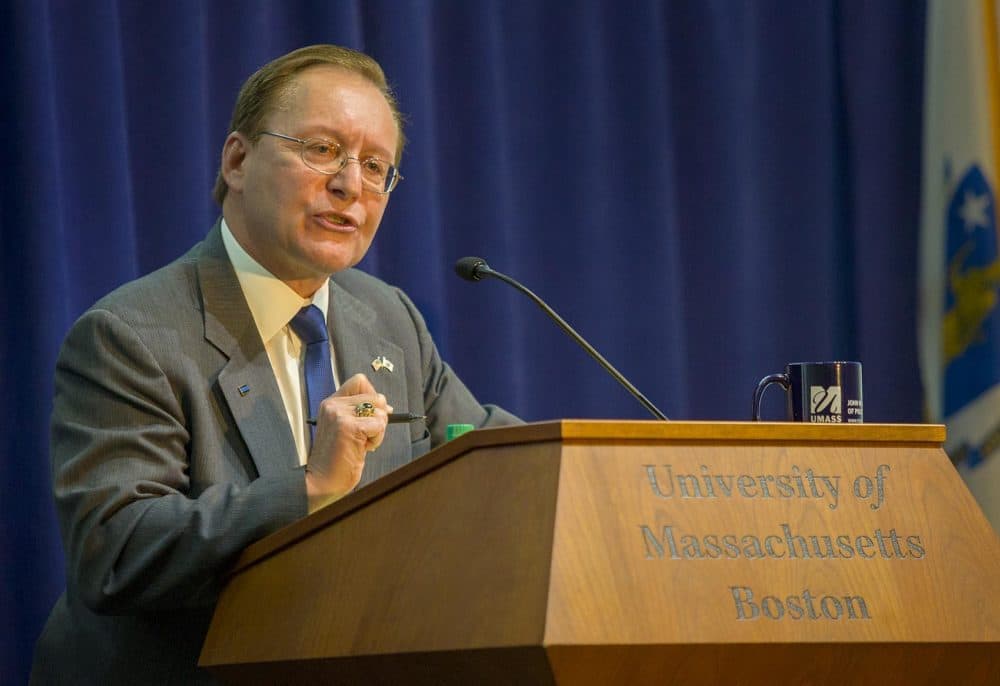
611	552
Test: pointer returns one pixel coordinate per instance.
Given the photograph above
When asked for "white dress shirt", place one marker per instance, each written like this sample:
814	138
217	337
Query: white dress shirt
273	304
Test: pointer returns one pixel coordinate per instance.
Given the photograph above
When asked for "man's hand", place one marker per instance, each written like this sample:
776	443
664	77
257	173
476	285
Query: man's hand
342	441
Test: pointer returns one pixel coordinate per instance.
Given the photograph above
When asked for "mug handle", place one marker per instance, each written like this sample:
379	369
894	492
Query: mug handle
764	383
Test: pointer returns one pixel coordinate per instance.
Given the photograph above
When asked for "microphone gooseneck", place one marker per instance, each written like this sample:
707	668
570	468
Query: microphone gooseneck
475	268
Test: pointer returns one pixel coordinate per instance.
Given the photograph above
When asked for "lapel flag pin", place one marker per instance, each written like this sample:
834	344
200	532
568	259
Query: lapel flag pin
382	362
244	389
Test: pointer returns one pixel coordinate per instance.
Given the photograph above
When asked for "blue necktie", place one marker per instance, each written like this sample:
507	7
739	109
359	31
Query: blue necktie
310	326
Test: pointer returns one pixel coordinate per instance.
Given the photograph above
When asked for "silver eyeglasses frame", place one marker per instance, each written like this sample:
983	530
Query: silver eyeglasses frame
392	178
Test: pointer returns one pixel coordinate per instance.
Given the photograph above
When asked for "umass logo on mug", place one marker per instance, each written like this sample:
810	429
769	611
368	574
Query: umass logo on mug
825	404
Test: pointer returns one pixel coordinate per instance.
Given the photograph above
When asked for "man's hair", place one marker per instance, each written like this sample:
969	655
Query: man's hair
264	91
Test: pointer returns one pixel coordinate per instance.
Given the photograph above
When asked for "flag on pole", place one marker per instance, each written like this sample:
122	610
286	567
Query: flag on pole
959	319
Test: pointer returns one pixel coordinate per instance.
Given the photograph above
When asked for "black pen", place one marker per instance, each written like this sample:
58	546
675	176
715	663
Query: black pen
394	418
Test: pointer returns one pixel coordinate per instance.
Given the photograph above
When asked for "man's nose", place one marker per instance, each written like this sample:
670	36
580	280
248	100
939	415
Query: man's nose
347	181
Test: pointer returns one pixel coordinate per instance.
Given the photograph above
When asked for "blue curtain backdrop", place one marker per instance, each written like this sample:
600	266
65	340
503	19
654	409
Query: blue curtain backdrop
705	189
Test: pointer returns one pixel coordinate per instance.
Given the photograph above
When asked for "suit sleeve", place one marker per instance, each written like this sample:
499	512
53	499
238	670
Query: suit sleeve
136	538
447	400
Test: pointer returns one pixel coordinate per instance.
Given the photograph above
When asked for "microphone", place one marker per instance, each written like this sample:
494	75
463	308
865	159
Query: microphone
475	268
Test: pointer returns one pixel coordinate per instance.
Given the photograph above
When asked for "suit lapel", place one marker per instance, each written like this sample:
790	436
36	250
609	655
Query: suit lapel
357	346
247	380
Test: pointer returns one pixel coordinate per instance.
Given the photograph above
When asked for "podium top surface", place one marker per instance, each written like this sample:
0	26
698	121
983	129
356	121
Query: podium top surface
625	430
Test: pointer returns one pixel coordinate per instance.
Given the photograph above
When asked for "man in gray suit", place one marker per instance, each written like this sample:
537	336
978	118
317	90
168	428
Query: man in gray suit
181	430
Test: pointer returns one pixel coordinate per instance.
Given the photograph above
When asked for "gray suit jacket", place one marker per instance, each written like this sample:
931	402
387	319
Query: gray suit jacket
171	452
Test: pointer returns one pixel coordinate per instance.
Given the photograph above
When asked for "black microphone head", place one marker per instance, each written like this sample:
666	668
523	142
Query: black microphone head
471	268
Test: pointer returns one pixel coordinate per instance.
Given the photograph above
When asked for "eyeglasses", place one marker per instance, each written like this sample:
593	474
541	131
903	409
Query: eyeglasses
328	157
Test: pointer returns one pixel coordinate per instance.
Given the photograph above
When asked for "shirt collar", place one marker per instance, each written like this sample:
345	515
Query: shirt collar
272	302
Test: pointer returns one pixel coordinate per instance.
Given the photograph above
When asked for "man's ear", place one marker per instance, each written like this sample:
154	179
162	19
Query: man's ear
234	155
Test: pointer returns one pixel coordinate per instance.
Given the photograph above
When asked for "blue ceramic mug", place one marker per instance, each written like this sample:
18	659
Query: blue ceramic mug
819	392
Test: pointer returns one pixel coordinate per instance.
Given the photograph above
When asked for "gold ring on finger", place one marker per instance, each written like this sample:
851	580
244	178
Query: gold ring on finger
364	410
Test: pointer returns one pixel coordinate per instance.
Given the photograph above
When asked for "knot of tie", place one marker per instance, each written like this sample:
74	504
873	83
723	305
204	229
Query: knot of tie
309	325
